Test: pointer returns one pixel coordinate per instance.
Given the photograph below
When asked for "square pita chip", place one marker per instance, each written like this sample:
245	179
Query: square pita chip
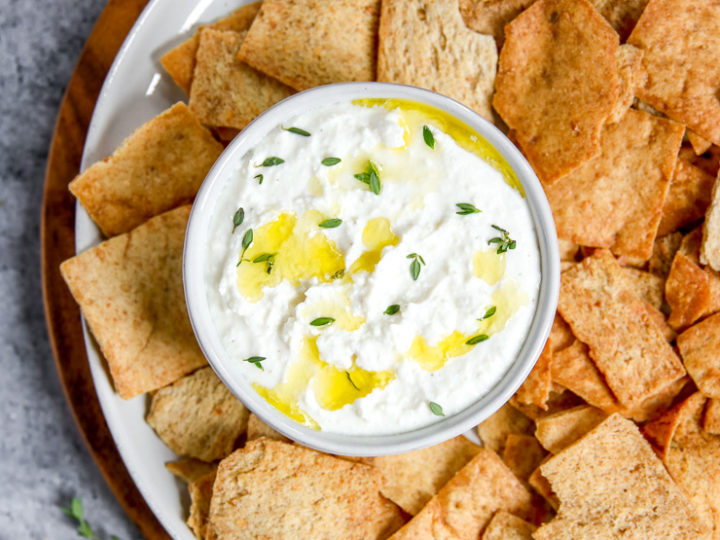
271	489
681	40
710	249
610	483
464	506
130	291
558	431
197	416
180	61
160	166
605	312
557	83
306	43
615	200
438	52
699	347
688	197
691	291
226	92
505	526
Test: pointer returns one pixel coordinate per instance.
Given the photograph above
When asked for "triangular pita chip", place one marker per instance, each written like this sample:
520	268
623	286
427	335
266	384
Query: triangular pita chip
505	526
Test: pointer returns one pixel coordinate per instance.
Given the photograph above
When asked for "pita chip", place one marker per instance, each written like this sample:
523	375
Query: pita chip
130	291
621	14
558	431
711	420
200	496
535	390
540	484
256	428
664	249
197	416
688	197
190	469
491	16
494	431
699	144
690	291
505	526
439	52
523	454
306	43
649	287
699	347
629	64
710	248
609	483
157	168
557	83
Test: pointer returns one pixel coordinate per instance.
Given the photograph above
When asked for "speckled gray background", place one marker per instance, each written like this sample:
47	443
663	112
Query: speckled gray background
43	460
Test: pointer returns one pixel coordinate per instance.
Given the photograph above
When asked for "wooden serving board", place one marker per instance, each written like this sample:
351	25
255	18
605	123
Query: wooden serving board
58	243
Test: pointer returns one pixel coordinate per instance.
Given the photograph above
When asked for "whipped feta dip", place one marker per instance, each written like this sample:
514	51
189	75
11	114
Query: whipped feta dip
372	267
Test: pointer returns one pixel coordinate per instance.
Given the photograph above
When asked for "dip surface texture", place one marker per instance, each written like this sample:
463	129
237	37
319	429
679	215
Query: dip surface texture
365	294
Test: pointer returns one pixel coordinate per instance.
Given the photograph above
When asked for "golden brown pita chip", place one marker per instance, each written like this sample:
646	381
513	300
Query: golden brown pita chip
535	390
561	336
710	248
438	52
664	250
699	145
256	428
558	400
658	317
568	250
410	480
690	292
708	161
464	506
491	16
615	200
200	495
130	291
271	489
647	286
681	40
621	14
627	347
523	454
610	483
711	420
306	43
631	74
699	347
190	469
493	432
540	484
198	416
688	197
558	431
505	526
658	403
180	61
160	166
557	83
225	91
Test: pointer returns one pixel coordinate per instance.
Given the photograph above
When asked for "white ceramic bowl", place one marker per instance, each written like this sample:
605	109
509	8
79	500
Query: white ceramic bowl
196	243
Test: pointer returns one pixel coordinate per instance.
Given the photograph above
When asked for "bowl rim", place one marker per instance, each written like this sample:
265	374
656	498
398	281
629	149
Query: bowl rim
371	445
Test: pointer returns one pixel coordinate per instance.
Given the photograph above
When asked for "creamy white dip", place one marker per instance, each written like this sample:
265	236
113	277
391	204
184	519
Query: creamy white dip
370	372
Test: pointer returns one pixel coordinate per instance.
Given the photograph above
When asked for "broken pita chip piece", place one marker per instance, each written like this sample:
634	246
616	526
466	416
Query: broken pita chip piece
611	480
535	390
629	65
201	491
256	428
621	14
698	143
465	505
541	485
523	454
190	469
710	248
688	197
505	526
561	336
699	347
303	44
158	167
440	53
559	399
507	419
664	249
711	420
226	92
690	292
615	200
558	431
557	83
197	416
179	62
130	291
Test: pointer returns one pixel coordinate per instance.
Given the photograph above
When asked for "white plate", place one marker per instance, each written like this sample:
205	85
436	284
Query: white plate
135	90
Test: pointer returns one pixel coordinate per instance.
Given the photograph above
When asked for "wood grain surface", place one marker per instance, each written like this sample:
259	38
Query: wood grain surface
58	243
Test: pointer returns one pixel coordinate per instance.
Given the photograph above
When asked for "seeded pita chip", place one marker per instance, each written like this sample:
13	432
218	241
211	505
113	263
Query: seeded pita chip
690	291
558	431
410	480
491	16
699	347
464	506
439	52
494	431
180	61
557	83
699	145
536	388
271	489
710	249
681	40
200	495
131	294
615	200
610	483
256	428
688	197
629	65
160	166
225	91
711	420
523	454
306	43
190	469
198	416
505	526
664	250
604	312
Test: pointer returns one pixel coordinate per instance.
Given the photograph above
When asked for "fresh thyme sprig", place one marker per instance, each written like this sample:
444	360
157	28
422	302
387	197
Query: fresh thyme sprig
271	162
503	241
436	409
268	258
238	218
297	131
256	361
428	137
415	265
392	309
371	177
246	241
466	209
322	321
330	223
330	161
75	511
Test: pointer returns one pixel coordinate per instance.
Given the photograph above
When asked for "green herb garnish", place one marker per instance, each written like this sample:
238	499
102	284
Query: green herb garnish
330	223
371	177
238	218
337	275
322	321
257	361
477	339
246	241
330	161
504	241
415	265
269	258
466	208
76	512
297	131
351	381
271	162
436	409
392	309
259	178
428	137
489	313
